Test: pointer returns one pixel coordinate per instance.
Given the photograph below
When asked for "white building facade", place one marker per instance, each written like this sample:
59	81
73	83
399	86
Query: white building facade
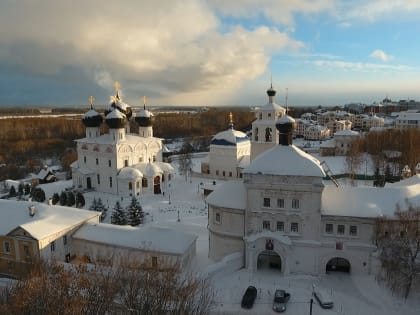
119	162
283	216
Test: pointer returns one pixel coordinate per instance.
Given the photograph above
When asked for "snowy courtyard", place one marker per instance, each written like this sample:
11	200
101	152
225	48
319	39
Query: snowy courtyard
183	208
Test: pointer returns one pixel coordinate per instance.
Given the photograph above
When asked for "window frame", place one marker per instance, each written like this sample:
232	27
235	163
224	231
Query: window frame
327	231
266	225
339	231
266	202
294	227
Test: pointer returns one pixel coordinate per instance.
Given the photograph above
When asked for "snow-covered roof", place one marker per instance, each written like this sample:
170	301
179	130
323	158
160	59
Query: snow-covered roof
48	220
129	173
91	113
230	194
285	119
149	169
148	238
115	114
166	167
144	113
272	107
347	133
229	137
328	144
286	160
366	201
129	139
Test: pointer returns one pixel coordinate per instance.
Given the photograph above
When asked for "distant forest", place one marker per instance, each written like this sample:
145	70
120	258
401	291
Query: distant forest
26	140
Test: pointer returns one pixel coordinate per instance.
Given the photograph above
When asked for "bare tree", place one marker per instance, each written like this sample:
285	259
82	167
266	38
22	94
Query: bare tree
129	288
354	159
398	240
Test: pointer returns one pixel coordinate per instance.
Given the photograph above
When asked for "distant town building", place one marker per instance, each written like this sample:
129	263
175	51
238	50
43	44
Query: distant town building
316	132
338	125
408	119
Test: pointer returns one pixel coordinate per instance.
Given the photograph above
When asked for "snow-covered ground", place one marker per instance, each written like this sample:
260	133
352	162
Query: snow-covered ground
352	295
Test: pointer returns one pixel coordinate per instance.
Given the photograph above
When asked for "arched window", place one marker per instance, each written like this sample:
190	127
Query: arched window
268	135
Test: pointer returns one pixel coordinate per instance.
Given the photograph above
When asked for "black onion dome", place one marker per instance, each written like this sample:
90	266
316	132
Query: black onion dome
115	119
145	118
285	125
92	118
271	91
117	103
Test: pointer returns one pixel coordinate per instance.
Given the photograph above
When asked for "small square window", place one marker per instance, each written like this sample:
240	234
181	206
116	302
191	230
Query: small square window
6	247
26	250
154	261
266	225
341	229
266	202
329	228
353	230
280	203
294	227
280	226
217	218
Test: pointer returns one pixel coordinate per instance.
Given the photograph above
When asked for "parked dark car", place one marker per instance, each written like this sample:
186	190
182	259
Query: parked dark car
249	297
281	297
324	299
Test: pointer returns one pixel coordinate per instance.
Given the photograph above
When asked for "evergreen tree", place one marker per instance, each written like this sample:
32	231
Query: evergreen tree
20	189
94	205
27	189
12	191
80	200
38	195
63	198
118	216
71	200
100	207
135	213
55	198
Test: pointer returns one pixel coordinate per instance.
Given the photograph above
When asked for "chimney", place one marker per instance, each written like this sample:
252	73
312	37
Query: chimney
31	210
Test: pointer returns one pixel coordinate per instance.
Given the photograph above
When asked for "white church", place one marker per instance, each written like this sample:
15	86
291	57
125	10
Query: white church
284	215
231	150
119	162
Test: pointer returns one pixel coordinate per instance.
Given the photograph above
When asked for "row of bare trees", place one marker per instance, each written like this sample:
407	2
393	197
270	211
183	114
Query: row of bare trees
390	151
55	289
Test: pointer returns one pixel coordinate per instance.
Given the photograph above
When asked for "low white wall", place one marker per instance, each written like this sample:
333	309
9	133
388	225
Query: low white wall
227	265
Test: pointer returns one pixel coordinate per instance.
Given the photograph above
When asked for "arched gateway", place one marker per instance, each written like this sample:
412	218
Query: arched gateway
267	250
338	264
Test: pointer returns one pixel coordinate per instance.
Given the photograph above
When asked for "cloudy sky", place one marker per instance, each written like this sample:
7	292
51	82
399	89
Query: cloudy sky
214	52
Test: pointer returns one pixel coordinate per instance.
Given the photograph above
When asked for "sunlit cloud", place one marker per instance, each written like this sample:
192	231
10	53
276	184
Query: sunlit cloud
381	55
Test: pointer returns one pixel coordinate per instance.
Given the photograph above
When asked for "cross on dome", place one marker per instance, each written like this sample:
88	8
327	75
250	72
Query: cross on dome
91	100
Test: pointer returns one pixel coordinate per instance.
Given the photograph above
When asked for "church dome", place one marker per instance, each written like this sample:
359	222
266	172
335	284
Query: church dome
92	118
117	103
286	160
115	119
271	91
129	173
229	137
144	118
